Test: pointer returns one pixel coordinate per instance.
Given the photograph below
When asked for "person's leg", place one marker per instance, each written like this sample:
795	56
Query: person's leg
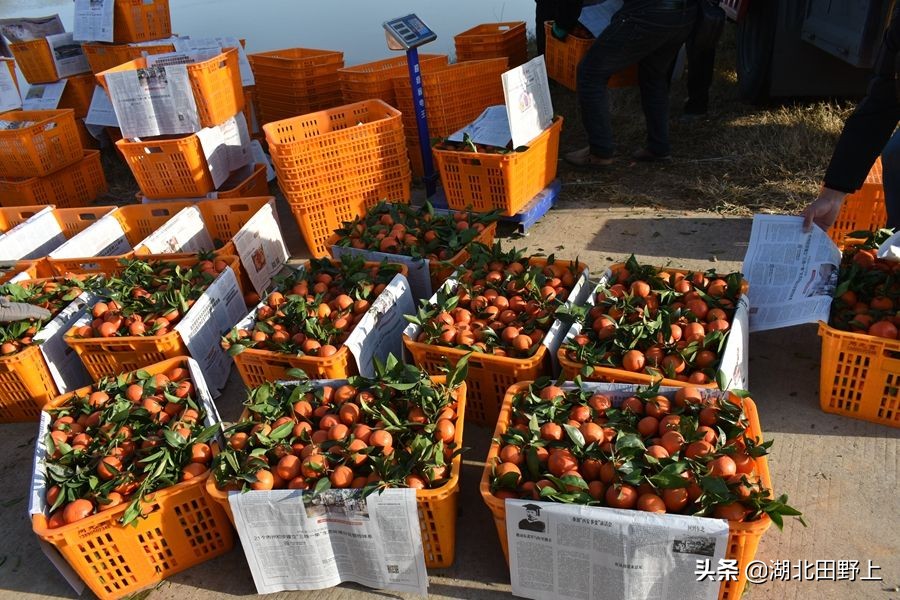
672	27
890	177
544	10
701	64
620	45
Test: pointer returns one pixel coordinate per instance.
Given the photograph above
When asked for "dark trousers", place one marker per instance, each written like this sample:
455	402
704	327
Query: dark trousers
645	32
544	10
890	174
701	64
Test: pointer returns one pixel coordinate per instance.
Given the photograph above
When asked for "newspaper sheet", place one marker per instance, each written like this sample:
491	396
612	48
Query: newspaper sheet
211	317
260	246
184	233
299	540
491	128
65	366
153	101
67	54
226	147
259	155
597	17
419	269
103	238
94	20
561	552
33	238
10	99
378	333
27	29
179	58
217	44
101	112
792	273
528	104
44	96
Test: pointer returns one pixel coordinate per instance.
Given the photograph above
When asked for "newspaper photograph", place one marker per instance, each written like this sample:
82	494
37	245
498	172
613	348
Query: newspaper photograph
44	96
564	551
301	540
10	99
27	29
154	101
67	54
94	20
101	112
792	273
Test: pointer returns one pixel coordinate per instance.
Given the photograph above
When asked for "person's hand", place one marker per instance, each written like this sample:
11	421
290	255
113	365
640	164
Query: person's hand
20	311
824	210
558	32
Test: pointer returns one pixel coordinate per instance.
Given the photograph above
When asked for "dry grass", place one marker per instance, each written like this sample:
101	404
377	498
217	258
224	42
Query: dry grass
738	160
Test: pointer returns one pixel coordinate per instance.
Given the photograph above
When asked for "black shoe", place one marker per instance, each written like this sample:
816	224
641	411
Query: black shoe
644	155
583	159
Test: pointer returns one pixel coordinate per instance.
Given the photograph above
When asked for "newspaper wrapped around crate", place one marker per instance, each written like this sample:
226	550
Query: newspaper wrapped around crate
36	237
102	239
734	363
36	501
10	98
378	333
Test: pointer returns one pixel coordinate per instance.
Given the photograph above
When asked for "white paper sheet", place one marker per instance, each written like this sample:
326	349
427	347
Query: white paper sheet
418	269
792	274
67	55
213	315
528	104
491	128
44	96
153	101
65	367
260	157
24	29
101	113
597	17
564	552
298	540
184	233
33	238
103	238
226	148
94	20
378	333
260	246
10	99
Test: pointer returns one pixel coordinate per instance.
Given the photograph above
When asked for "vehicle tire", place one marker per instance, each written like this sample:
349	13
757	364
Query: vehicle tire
755	43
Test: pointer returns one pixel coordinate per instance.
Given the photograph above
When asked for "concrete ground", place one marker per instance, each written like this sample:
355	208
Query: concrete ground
841	473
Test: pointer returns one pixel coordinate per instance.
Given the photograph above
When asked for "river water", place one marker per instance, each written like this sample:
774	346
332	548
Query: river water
353	26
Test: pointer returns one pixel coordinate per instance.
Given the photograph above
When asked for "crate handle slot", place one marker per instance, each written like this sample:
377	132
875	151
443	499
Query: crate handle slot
160	212
153	150
27	214
239	208
87	216
892	354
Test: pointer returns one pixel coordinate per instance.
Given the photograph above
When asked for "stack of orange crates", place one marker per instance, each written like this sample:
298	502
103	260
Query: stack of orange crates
370	81
493	40
42	161
454	96
295	81
334	164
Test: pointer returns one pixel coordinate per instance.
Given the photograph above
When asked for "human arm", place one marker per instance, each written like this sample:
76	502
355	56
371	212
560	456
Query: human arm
824	210
20	311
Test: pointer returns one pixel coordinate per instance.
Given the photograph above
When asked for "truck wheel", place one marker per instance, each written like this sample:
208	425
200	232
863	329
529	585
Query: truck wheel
755	42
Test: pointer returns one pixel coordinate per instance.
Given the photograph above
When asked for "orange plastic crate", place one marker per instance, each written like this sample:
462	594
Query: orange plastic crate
71	220
455	95
488	376
505	182
103	57
373	80
437	508
168	168
181	527
25	385
224	217
76	185
254	185
106	357
216	84
296	63
88	141
493	40
78	93
863	210
35	60
141	20
33	269
743	538
46	141
563	56
858	377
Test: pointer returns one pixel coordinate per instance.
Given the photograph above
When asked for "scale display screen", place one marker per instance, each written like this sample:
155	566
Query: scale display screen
409	32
